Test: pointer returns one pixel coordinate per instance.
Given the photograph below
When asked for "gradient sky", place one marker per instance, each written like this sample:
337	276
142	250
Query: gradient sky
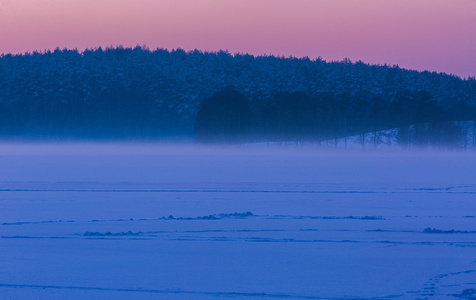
435	35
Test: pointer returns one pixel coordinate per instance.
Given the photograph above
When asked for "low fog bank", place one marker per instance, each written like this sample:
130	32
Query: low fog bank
185	148
152	166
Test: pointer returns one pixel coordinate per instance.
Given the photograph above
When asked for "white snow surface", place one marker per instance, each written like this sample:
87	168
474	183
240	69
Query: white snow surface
152	221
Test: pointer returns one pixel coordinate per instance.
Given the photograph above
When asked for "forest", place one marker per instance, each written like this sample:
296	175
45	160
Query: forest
216	97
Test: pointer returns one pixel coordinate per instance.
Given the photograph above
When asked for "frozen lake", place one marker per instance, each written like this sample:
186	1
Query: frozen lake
123	221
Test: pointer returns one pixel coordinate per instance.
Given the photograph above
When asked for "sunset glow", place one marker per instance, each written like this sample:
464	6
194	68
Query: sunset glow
435	35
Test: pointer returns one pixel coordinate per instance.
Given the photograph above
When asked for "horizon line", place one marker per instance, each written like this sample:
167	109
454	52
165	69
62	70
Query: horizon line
144	47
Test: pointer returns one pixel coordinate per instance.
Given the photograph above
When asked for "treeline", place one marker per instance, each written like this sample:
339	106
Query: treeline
414	118
136	93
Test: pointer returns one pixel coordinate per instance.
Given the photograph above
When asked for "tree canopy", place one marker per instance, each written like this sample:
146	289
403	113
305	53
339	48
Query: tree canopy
136	93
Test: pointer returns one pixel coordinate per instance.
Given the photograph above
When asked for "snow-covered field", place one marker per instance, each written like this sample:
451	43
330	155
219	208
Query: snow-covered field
123	221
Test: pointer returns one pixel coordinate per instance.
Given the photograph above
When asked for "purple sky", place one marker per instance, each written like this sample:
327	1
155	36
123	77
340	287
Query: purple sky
435	35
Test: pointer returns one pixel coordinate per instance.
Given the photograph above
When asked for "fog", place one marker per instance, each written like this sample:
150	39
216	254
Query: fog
157	165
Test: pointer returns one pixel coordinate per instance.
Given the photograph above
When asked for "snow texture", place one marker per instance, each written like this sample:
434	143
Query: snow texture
124	221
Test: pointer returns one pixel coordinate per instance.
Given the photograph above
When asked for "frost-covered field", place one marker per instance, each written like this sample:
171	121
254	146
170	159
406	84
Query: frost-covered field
160	222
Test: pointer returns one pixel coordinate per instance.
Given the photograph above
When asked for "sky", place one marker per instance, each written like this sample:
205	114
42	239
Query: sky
434	35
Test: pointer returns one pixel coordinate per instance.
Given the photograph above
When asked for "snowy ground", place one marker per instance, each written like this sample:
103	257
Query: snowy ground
160	222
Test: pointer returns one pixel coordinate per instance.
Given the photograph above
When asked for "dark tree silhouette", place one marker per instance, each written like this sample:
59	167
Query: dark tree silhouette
224	118
291	117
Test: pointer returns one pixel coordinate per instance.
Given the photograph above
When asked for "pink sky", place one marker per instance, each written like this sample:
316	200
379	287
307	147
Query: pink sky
435	35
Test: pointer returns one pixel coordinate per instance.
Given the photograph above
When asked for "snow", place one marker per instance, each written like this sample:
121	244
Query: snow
122	221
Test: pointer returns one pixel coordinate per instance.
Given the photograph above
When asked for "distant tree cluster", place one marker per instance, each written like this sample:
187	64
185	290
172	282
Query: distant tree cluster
136	93
223	118
297	117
